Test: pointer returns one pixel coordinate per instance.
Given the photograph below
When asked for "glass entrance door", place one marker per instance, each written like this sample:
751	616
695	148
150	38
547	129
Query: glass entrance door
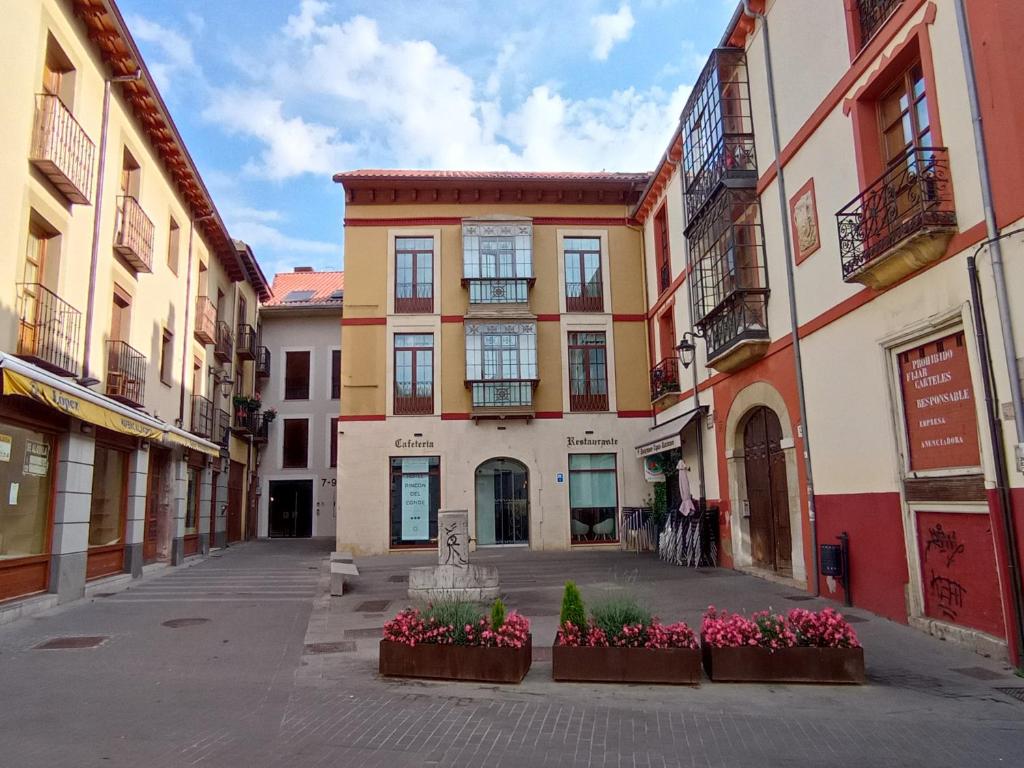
502	503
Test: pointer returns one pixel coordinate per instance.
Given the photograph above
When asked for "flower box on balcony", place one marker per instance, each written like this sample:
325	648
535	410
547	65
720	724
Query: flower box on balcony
754	664
456	662
673	666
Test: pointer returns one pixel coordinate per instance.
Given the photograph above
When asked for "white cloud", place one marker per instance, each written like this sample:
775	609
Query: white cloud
611	29
176	56
260	235
301	25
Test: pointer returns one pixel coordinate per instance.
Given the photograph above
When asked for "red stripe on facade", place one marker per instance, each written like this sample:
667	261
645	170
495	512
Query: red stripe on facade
364	321
421	221
620	317
578	221
455	417
540	221
548	415
635	414
452	319
363	417
550	317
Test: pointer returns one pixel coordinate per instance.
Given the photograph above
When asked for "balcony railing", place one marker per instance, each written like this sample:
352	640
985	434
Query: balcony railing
913	200
247	342
262	362
584	297
126	373
871	15
206	320
414	403
62	150
203	417
665	378
48	329
247	420
740	319
223	343
581	403
406	301
503	394
498	290
732	162
223	427
133	238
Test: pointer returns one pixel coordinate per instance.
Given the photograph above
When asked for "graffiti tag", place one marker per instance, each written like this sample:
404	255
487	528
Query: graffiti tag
944	543
949	594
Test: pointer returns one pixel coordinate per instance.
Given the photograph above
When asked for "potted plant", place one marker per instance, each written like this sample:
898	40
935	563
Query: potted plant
454	640
801	647
621	643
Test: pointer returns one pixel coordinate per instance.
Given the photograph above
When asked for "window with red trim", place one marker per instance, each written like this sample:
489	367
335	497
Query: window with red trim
414	374
588	371
663	257
414	274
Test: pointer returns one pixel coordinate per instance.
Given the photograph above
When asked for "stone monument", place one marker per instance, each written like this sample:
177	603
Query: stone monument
454	577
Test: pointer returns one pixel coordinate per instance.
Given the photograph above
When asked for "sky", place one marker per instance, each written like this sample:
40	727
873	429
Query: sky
273	97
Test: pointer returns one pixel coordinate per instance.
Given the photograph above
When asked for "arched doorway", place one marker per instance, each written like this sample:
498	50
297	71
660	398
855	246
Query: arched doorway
771	542
502	503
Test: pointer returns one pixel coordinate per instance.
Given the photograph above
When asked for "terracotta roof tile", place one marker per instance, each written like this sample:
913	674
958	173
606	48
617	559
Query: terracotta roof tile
400	174
318	288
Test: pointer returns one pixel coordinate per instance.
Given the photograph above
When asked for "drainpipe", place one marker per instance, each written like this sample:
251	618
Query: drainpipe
999	459
97	214
992	229
790	284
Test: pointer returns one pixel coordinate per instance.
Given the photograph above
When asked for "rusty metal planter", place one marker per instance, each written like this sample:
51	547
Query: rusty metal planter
456	662
673	666
786	665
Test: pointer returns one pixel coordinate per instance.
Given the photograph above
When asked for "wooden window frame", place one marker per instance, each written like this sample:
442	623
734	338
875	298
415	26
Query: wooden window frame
414	404
335	382
585	302
167	357
434	475
332	441
284	442
309	375
587	401
415	304
615	474
662	250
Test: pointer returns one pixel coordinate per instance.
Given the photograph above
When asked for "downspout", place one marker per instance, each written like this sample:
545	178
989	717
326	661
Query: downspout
791	287
995	430
992	229
86	379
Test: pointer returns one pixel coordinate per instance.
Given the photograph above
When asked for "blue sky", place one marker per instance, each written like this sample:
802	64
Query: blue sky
274	96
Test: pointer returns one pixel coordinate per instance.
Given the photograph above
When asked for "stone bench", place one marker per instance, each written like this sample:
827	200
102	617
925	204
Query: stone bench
339	572
342	557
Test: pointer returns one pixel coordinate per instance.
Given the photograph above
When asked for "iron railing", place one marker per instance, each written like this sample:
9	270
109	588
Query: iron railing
126	373
133	237
588	402
414	403
247	342
223	343
202	416
406	300
223	428
62	150
731	161
498	290
206	320
664	277
262	362
913	196
665	378
742	317
871	15
509	393
584	297
48	329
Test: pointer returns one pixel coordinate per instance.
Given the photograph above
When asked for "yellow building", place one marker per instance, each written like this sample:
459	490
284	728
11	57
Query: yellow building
127	318
494	346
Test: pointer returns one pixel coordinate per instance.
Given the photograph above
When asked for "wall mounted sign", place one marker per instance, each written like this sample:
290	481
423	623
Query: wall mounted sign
938	403
400	443
415	504
5	447
597	442
560	478
659	446
803	218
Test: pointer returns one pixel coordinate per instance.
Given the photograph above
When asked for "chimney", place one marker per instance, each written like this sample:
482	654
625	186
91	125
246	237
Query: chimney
303	269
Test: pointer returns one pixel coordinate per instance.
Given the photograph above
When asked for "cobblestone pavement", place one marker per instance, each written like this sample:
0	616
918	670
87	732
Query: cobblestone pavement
283	675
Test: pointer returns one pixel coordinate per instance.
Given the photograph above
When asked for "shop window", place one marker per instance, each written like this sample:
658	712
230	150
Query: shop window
26	466
295	444
334	441
414	373
415	499
106	514
335	374
588	371
192	500
296	375
593	497
414	274
584	284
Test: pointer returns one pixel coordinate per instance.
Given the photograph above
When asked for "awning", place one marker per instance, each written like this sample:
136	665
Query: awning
180	437
666	436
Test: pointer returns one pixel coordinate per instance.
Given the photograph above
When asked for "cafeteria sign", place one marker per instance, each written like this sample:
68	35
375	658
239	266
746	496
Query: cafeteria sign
938	402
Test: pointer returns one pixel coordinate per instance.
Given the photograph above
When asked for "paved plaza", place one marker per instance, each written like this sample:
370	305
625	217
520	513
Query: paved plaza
243	659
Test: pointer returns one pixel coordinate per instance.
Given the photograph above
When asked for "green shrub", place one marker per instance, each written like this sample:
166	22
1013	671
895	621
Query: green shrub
573	610
497	614
612	614
454	613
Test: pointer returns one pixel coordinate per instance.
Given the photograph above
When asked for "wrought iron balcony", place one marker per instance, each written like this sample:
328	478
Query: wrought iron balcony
62	150
584	297
247	342
665	378
247	420
736	332
871	15
203	417
498	290
262	433
223	343
126	373
206	320
48	329
731	163
262	362
133	237
901	222
223	427
582	403
407	301
506	397
414	402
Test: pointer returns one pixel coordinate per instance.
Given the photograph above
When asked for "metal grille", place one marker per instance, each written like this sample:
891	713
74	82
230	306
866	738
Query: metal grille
1017	693
223	342
71	643
202	416
247	341
134	240
126	373
61	149
206	320
665	378
48	330
262	362
872	14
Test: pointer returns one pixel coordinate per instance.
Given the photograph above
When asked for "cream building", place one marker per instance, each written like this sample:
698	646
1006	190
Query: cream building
493	332
127	319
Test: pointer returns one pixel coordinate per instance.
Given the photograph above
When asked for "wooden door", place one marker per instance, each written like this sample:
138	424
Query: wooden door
767	491
120	316
236	486
158	508
34	275
667	334
214	509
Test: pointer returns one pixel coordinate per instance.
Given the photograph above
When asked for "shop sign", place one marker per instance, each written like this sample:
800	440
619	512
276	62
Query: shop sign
37	459
5	447
587	442
659	446
560	478
938	402
400	443
415	499
654	470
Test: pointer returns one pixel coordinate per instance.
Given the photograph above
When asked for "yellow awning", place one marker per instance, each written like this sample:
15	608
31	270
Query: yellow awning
192	445
66	402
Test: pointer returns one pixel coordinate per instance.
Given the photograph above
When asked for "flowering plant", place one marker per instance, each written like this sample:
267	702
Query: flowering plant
654	635
764	629
411	627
